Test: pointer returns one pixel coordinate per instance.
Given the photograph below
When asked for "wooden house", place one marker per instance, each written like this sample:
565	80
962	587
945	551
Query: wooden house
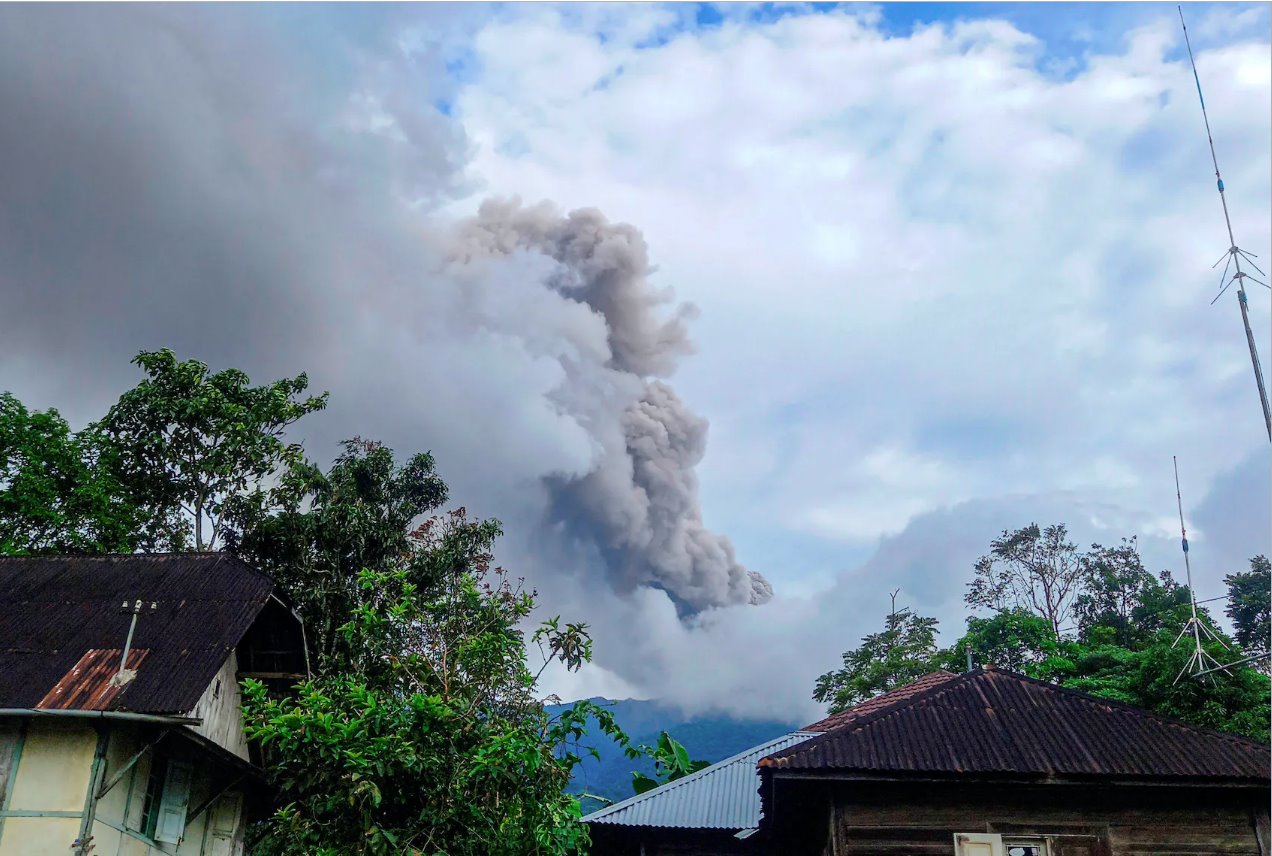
992	763
121	731
715	811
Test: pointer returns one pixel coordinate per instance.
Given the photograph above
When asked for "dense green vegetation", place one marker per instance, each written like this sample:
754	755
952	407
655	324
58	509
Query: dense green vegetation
420	731
1094	621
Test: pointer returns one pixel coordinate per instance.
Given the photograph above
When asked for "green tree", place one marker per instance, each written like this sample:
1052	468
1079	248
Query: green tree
200	445
56	492
1249	598
1031	568
1127	625
318	531
1114	585
903	651
433	740
1015	639
671	762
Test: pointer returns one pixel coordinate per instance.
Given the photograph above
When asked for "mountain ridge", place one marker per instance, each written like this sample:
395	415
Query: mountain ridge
707	736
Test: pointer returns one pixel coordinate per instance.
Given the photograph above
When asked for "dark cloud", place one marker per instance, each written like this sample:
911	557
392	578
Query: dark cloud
192	178
168	178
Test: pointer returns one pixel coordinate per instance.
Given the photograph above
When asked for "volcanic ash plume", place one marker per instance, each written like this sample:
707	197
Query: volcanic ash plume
638	505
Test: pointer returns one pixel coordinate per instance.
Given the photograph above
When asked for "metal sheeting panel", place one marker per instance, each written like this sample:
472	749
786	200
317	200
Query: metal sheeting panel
54	610
722	796
996	722
879	702
90	684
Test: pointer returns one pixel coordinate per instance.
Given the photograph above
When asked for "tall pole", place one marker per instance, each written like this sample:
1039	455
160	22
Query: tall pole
1197	661
1235	254
1183	537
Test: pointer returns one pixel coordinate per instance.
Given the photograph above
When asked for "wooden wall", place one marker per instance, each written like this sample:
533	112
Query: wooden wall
611	840
841	819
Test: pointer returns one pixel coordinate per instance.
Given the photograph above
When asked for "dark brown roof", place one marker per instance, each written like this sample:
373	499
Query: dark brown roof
992	722
879	702
62	628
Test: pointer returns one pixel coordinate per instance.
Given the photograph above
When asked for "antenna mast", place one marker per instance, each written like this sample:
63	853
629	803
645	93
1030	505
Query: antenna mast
1197	662
1235	254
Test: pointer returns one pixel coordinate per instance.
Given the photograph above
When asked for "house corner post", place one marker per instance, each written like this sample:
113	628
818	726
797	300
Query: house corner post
83	844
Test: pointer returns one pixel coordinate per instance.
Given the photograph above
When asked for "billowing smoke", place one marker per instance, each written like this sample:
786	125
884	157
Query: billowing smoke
639	503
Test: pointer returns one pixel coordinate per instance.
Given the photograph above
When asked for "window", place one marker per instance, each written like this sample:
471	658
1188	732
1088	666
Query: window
989	844
150	801
163	808
1026	847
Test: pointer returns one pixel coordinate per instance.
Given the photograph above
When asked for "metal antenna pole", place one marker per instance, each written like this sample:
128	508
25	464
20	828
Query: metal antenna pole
1197	662
1235	254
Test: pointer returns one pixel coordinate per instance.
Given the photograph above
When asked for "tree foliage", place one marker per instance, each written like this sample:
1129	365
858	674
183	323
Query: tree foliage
318	530
671	762
1030	568
1122	645
422	732
1114	586
199	445
903	651
431	739
1249	599
56	491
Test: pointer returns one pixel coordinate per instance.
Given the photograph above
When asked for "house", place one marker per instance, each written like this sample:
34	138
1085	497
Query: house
992	763
120	723
715	810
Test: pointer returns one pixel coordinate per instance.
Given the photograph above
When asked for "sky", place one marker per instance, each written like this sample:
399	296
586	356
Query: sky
738	317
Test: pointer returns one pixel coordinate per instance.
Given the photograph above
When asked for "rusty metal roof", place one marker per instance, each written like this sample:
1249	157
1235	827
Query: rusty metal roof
62	628
91	684
992	722
879	702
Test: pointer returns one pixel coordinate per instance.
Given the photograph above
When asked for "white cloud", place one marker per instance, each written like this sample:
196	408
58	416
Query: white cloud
931	273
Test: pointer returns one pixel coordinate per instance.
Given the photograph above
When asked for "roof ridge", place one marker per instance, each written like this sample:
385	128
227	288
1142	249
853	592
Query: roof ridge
937	690
217	557
695	776
1133	709
875	715
848	717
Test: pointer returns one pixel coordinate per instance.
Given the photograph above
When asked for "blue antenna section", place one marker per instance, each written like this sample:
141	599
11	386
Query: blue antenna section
1235	254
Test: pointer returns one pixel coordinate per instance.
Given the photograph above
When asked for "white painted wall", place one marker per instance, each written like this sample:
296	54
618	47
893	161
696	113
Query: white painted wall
52	776
220	708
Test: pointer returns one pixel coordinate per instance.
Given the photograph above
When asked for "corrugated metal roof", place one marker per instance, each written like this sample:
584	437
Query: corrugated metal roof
89	685
879	702
996	722
722	796
54	610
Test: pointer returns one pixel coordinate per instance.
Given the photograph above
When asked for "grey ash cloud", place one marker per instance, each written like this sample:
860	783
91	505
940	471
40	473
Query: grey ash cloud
263	191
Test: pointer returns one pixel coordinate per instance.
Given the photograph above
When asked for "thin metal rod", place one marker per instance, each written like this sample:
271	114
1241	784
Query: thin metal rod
1240	662
121	715
1183	537
1254	353
132	626
1234	252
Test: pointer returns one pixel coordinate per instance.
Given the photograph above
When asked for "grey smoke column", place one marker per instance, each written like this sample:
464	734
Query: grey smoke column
639	503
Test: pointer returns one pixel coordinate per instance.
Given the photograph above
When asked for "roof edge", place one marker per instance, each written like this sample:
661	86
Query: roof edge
934	691
901	704
598	815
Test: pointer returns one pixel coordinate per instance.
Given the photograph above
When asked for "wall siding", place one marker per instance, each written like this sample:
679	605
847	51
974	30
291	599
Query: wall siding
221	709
1130	821
52	778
